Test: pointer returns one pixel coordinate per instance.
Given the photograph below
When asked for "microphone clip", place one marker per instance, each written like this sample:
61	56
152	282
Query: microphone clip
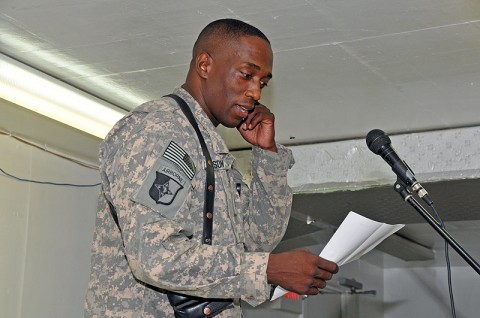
402	188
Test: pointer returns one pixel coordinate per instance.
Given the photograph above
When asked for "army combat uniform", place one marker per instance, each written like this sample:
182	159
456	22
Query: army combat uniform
152	170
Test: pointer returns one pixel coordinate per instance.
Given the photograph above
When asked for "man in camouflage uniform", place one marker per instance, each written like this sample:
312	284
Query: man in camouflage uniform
153	176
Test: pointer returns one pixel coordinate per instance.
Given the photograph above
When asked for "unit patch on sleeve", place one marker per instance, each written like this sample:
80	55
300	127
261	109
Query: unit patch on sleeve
167	183
166	186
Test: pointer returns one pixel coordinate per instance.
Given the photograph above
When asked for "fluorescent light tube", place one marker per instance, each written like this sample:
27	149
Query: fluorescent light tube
32	89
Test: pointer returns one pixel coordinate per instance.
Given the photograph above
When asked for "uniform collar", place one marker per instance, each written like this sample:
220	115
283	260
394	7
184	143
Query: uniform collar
218	143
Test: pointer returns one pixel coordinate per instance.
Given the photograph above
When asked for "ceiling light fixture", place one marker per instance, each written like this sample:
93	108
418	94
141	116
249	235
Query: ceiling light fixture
32	89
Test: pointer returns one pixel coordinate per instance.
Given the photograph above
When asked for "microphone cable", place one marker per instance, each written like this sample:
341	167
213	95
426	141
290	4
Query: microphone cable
447	259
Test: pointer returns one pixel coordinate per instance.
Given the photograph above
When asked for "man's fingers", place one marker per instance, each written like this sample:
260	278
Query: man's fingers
259	114
324	275
319	283
327	265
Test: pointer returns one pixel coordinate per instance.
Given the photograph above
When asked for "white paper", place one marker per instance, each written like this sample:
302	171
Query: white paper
356	236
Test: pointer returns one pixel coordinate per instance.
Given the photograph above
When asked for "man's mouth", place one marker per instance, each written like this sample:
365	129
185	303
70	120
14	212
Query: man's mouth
243	111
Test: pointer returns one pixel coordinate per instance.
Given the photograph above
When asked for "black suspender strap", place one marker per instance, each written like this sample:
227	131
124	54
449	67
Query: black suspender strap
210	181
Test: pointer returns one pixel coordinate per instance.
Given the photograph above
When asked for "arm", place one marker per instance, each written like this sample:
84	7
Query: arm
266	217
299	271
270	199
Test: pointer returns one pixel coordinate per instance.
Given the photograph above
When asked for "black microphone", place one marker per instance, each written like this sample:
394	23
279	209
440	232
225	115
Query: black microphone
380	144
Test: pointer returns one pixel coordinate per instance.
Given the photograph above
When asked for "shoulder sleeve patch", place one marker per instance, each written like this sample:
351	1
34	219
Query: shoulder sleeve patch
165	188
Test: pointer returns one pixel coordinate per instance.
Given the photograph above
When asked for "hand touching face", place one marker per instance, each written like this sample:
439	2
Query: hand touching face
258	128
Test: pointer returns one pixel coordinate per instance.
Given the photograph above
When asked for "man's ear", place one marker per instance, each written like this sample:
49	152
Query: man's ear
203	63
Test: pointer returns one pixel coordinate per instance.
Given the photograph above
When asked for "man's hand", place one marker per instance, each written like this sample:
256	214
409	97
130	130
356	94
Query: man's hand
259	128
300	271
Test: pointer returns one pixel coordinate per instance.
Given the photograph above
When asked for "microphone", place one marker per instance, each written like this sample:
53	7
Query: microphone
380	144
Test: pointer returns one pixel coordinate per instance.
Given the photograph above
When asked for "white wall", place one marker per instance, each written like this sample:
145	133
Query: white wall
423	292
436	155
45	233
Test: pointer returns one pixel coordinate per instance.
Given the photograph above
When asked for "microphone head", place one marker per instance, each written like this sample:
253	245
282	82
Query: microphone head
376	139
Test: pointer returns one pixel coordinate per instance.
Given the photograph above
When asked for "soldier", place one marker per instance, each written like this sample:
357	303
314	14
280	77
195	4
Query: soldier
150	236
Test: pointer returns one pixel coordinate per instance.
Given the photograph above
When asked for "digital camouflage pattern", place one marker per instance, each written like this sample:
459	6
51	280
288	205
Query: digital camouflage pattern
152	170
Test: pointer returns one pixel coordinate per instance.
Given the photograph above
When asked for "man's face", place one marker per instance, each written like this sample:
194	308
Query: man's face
238	72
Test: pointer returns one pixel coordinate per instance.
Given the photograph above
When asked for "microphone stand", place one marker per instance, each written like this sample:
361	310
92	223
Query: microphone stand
401	188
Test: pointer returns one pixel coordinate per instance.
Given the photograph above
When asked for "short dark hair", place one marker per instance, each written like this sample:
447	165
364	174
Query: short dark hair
227	29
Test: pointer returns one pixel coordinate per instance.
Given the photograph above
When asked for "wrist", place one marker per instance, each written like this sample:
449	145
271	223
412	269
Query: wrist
272	148
272	270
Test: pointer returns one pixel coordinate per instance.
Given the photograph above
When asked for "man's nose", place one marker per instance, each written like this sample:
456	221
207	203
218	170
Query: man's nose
254	91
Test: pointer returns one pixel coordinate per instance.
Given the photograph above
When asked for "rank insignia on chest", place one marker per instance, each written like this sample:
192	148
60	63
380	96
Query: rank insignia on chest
164	189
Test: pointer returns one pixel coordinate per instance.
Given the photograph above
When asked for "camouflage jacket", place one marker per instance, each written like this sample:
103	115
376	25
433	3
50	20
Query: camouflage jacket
152	170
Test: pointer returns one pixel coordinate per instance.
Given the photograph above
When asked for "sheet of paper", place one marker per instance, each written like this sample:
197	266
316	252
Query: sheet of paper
356	236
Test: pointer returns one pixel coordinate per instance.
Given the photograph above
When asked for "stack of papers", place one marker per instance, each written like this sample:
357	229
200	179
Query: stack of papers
356	236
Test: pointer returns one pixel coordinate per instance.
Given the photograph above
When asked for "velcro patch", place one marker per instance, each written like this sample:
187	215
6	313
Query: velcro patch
164	189
177	155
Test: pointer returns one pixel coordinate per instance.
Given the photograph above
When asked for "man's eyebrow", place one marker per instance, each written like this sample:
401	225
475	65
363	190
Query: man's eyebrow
255	66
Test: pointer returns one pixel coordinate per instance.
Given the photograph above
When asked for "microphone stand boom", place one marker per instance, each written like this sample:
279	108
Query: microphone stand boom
401	188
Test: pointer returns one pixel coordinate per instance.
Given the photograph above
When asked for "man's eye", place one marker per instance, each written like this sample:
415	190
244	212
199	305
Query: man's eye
263	84
246	75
